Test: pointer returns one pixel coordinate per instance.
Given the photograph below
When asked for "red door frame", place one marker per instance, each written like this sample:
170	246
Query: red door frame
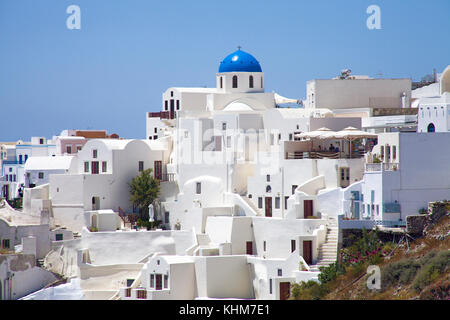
158	281
307	251
268	206
158	169
249	246
307	208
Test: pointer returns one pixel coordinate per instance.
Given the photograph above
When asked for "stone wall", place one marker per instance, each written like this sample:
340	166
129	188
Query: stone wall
420	224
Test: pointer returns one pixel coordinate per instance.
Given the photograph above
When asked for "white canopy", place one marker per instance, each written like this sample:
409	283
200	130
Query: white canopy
351	133
314	134
281	99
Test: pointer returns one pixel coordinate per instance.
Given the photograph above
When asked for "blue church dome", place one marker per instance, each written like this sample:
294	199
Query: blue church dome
240	61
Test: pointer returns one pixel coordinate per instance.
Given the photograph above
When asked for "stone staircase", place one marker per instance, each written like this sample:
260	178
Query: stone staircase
329	249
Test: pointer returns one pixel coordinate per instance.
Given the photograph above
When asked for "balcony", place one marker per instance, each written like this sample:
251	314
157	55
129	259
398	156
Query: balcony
378	167
162	114
322	155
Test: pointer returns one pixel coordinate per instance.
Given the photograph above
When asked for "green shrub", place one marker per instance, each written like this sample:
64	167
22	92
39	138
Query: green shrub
401	272
432	267
310	290
330	272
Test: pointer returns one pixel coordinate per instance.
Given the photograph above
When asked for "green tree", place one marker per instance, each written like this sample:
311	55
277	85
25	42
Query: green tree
144	189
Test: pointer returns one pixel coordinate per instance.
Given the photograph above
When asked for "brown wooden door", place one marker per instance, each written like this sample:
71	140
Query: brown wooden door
158	170
285	290
307	251
94	167
158	284
249	247
268	206
307	208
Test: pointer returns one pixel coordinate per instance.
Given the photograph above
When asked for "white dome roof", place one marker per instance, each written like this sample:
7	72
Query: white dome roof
237	106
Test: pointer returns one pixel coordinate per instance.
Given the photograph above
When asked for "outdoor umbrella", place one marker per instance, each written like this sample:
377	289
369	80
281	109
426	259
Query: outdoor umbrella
351	133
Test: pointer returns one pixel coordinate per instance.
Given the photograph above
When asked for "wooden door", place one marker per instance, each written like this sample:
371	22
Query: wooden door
285	290
307	208
307	251
172	109
268	206
158	284
249	247
158	170
94	167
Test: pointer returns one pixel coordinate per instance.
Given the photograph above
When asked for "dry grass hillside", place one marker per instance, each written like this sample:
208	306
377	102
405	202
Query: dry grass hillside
414	269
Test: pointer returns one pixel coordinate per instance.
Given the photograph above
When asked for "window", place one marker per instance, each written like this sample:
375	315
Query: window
86	166
26	157
94	153
235	82
141	166
5	243
261	82
268	178
394	152
285	202
178	104
290	136
69	149
292	245
280	272
268	189
293	188
158	262
260	202
264	245
382	152
155	137
156	130
166	216
221	82
104	166
41	141
79	147
166	105
41	175
152	281
59	237
224	126
277	202
388	153
15	177
171	93
378	209
20	159
166	281
199	188
372	195
250	82
270	286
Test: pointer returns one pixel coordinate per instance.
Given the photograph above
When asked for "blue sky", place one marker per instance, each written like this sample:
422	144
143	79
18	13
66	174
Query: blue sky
113	70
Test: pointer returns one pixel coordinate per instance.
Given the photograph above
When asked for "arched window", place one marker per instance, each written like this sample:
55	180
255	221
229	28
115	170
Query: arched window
430	128
268	189
235	82
221	82
250	82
